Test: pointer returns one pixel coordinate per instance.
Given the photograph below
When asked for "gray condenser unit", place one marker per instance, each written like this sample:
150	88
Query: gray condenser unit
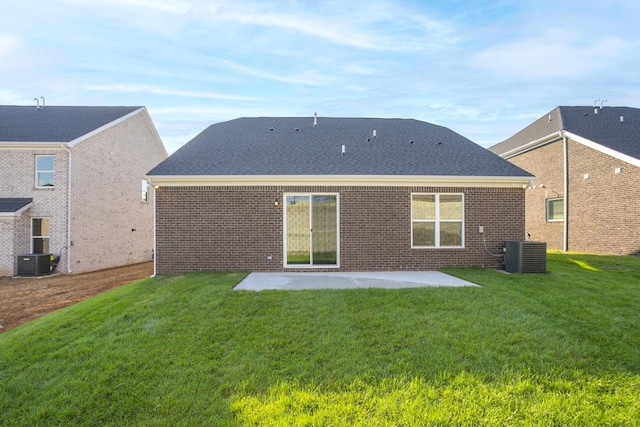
34	264
523	256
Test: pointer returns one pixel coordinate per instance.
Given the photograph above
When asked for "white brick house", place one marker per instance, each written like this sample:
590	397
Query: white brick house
71	184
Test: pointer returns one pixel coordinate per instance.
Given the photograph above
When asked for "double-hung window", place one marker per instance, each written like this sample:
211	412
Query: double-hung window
40	235
555	209
45	166
437	220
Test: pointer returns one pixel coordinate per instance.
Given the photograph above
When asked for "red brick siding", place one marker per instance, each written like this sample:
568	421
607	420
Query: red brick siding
237	228
604	210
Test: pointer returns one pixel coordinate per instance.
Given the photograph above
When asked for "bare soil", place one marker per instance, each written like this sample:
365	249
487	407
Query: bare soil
24	299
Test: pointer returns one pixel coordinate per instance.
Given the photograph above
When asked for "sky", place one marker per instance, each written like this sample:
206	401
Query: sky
485	69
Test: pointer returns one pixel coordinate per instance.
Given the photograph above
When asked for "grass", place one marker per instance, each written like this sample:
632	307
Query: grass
556	349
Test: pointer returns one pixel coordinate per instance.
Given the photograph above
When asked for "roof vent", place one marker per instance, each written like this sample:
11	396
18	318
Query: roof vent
621	119
374	133
315	119
344	149
411	141
37	103
42	97
595	111
270	129
297	129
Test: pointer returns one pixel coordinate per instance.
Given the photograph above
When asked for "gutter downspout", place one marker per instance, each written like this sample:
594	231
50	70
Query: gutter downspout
65	148
155	251
565	244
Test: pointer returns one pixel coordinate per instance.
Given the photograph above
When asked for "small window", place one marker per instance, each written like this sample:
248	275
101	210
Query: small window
39	235
145	191
555	209
45	166
437	220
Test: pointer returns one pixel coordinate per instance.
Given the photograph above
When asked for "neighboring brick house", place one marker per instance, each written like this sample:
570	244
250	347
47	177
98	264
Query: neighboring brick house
587	161
71	184
341	194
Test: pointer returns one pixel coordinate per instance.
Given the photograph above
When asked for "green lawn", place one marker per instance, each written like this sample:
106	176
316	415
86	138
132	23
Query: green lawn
556	349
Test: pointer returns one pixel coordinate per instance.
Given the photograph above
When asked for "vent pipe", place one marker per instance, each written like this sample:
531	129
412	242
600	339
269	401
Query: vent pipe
315	119
344	149
37	103
42	97
621	119
374	133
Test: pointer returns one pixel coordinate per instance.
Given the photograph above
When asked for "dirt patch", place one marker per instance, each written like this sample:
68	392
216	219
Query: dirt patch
25	299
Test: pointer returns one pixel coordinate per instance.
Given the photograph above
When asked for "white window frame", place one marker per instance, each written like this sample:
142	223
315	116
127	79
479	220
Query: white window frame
48	237
438	221
38	171
145	191
546	209
284	234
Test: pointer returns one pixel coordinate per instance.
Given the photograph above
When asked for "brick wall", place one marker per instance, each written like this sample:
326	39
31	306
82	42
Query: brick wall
111	226
240	228
17	175
546	163
604	210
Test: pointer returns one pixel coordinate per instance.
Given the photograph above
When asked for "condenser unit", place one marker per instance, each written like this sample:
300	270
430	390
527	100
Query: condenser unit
523	256
34	264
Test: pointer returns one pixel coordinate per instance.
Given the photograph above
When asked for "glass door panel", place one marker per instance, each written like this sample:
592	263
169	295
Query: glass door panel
324	231
311	229
298	230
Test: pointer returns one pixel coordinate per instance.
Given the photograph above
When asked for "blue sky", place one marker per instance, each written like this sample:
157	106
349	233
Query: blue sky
485	69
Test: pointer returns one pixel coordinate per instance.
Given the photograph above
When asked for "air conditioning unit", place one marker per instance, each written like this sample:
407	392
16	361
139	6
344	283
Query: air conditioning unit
34	264
523	256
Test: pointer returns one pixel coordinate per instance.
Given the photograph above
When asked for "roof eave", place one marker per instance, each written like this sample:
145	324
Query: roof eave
340	180
31	145
16	213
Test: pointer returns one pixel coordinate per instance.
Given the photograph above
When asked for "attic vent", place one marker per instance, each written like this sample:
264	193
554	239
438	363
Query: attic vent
297	129
270	129
411	141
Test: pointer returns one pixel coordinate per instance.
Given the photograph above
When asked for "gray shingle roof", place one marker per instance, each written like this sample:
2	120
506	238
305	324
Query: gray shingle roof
603	128
54	123
11	205
294	146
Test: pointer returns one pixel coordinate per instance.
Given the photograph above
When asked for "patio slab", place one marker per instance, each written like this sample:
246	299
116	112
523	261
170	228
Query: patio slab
346	280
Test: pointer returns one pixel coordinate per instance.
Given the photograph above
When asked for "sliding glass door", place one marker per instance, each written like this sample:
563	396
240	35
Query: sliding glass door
311	236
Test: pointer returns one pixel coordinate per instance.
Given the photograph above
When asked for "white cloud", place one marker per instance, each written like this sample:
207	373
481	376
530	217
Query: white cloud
9	43
155	90
554	53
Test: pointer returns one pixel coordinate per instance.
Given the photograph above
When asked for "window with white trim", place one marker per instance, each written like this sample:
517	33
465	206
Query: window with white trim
145	191
39	235
45	166
437	220
555	209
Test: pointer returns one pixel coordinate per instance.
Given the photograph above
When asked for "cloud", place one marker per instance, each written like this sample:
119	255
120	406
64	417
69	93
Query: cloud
551	54
9	43
155	90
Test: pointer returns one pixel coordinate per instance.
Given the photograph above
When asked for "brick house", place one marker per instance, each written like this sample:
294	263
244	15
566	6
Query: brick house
72	185
587	161
340	194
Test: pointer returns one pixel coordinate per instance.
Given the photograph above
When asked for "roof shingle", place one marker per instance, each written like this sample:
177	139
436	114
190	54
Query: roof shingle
604	128
54	123
294	146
